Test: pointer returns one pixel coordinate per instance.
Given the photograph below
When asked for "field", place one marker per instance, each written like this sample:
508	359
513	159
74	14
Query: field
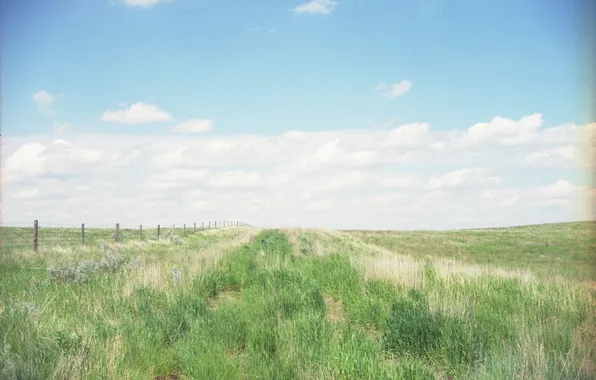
244	303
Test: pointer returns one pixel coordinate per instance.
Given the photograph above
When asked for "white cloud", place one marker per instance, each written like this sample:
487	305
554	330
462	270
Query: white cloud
44	101
506	131
321	7
390	91
559	189
333	153
59	157
194	126
295	136
555	157
503	197
462	177
237	180
26	194
142	3
408	135
26	161
406	177
138	113
399	180
181	175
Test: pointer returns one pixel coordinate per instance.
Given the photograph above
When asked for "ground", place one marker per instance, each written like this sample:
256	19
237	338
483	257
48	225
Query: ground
244	303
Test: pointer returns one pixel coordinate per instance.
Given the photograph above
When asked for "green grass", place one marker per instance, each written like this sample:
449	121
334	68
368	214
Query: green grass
293	304
565	249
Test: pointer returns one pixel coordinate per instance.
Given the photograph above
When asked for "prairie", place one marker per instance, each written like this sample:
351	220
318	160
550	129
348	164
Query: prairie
248	303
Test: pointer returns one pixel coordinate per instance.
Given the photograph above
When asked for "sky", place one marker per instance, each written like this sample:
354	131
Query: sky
347	114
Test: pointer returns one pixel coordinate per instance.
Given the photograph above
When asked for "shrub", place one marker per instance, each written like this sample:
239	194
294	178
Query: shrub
81	271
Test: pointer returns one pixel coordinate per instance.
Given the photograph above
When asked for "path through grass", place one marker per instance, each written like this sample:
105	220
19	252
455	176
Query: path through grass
293	304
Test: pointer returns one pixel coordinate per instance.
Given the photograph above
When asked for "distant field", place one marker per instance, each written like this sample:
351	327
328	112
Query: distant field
565	249
243	303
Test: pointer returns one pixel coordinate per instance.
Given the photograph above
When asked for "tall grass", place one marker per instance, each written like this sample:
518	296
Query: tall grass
289	304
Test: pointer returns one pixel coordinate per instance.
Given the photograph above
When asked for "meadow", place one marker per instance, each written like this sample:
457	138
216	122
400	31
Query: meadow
248	303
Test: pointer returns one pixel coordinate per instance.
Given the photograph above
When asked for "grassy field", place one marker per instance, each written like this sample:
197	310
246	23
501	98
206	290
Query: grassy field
243	303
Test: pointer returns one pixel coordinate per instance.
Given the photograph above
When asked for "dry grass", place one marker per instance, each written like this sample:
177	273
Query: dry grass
409	271
161	331
191	261
228	296
335	312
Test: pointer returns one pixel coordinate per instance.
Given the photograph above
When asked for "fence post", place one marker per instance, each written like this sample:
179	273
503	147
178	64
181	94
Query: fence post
35	231
141	232
117	232
82	234
184	229
158	232
195	227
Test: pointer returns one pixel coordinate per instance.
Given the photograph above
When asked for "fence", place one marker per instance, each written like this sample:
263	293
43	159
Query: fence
17	236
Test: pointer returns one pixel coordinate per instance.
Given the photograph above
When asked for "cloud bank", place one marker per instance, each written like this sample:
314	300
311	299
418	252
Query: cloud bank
495	173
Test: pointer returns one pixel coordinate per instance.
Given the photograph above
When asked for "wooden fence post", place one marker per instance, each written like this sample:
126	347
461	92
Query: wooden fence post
141	232
117	232
184	229
158	232
82	234
35	231
195	227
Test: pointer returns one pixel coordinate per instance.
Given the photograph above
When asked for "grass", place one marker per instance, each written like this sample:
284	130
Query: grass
301	304
560	249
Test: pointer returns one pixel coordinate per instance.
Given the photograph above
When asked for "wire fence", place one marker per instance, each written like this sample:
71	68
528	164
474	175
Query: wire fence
38	235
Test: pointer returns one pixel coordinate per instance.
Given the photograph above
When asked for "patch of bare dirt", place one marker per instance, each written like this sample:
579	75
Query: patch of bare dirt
236	352
227	296
335	312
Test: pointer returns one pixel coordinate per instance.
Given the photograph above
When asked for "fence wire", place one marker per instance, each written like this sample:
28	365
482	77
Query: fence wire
36	235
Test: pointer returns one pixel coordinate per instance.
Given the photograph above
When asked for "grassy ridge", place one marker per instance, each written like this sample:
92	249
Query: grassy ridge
242	303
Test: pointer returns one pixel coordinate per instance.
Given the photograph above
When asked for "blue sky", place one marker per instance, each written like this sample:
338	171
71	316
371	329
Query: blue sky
258	67
409	114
